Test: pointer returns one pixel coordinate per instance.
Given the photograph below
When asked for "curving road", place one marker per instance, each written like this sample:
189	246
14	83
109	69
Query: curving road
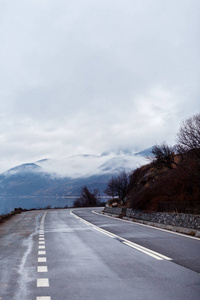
79	254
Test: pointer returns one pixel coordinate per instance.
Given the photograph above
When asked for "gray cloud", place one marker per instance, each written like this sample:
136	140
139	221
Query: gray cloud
94	76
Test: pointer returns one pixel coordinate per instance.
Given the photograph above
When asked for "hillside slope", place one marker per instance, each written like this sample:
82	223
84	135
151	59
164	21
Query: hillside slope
163	189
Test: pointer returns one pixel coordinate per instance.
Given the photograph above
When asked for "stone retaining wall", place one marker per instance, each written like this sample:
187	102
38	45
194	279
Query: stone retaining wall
174	219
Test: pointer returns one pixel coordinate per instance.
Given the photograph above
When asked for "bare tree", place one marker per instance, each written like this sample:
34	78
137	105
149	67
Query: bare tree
188	139
188	136
163	156
87	198
118	186
110	189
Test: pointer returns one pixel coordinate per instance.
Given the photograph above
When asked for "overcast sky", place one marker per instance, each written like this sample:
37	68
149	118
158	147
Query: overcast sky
93	76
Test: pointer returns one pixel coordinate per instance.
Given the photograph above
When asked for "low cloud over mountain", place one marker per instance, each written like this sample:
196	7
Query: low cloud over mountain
77	166
65	177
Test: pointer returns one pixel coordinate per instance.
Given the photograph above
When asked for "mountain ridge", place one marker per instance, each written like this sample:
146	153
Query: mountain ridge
65	177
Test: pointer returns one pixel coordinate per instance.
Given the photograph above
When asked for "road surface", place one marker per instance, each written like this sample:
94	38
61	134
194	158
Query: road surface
77	254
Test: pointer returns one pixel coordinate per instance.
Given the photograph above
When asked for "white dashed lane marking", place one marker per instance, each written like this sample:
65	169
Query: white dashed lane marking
42	269
43	282
42	259
41	252
41	247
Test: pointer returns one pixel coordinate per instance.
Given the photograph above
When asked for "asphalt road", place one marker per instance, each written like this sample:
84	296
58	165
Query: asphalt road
81	255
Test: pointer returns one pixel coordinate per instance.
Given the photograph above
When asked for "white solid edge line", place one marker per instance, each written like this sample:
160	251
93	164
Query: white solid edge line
152	227
134	245
150	252
131	244
146	252
87	223
105	232
43	298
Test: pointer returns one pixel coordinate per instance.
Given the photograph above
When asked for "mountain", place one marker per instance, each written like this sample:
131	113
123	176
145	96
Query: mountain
26	179
25	168
146	152
66	177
